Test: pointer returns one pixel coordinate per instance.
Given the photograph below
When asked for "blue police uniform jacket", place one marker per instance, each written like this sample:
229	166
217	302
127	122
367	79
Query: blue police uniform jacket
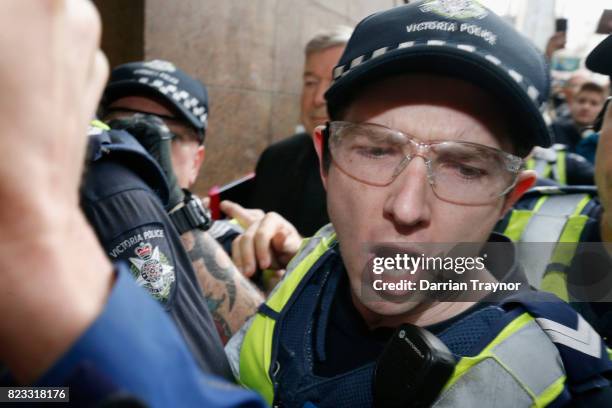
123	196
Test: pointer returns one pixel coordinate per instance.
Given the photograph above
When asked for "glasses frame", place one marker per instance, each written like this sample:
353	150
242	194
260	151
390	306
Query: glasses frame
513	163
195	134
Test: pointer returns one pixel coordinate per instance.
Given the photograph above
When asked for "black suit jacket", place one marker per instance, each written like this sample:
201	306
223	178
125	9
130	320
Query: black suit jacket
287	181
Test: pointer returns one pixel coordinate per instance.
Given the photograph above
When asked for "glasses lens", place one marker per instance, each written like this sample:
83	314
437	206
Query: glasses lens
470	174
368	153
465	173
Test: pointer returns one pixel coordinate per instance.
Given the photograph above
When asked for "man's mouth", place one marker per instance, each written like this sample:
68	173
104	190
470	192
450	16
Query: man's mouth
394	267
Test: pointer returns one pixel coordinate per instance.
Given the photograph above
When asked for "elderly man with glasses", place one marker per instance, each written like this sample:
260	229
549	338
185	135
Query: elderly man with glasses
433	107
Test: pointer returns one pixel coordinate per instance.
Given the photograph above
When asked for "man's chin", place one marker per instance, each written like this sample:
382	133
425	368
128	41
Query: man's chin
388	308
318	122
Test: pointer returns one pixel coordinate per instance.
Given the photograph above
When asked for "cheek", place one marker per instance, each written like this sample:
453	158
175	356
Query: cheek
181	161
346	202
356	211
457	223
307	101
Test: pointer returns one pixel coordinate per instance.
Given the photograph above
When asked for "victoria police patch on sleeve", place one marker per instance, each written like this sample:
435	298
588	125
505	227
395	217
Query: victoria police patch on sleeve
150	259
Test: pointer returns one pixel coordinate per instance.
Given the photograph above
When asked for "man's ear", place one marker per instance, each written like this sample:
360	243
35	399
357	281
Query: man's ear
197	164
526	179
318	138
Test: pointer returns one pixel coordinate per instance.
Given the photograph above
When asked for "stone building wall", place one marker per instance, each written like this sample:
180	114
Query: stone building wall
248	52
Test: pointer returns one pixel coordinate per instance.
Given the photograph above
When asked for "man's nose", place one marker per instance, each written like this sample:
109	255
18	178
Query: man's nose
409	196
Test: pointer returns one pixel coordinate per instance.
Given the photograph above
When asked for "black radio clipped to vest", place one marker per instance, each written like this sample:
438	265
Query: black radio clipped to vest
412	369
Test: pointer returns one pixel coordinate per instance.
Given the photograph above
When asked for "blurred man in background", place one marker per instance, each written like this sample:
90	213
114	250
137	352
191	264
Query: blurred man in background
287	181
584	107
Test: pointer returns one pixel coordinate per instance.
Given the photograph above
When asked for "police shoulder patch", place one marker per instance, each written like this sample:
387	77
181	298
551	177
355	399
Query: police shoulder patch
150	259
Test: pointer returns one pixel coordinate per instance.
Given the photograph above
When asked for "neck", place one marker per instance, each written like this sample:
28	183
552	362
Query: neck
422	315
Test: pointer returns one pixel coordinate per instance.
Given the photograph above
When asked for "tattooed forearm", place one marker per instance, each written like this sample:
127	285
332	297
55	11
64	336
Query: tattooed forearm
218	271
231	298
223	328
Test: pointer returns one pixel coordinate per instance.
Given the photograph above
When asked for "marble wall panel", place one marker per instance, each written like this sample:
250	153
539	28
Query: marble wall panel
239	120
123	30
249	54
228	43
284	116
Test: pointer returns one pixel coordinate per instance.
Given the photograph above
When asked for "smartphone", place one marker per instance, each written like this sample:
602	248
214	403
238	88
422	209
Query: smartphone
237	191
561	25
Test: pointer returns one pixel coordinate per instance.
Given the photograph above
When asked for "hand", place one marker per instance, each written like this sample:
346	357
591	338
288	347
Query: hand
52	76
555	43
269	242
245	216
55	276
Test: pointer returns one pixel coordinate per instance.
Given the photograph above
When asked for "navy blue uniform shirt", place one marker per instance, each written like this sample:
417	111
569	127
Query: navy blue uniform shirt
120	199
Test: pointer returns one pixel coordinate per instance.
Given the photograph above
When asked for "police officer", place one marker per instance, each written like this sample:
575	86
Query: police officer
123	197
161	89
573	218
431	106
557	164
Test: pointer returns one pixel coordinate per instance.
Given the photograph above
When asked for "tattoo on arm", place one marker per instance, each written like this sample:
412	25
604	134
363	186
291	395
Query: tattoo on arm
219	272
223	327
231	298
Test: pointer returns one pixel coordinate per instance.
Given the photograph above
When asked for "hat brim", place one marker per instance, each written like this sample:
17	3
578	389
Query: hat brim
120	89
600	59
456	63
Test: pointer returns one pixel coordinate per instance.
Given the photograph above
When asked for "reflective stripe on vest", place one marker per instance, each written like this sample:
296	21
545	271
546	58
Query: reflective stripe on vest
555	170
521	367
559	171
542	167
256	349
555	218
99	124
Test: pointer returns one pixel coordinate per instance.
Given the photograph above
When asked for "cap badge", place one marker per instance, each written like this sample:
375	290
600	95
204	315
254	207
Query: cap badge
459	9
160	65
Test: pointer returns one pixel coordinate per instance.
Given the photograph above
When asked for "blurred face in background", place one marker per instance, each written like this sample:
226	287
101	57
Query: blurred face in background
585	106
318	69
572	86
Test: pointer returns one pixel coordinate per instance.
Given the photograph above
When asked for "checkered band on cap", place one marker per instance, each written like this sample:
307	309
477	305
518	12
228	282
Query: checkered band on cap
179	95
521	80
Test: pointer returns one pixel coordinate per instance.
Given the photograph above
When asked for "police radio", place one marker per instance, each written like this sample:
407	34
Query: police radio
412	369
